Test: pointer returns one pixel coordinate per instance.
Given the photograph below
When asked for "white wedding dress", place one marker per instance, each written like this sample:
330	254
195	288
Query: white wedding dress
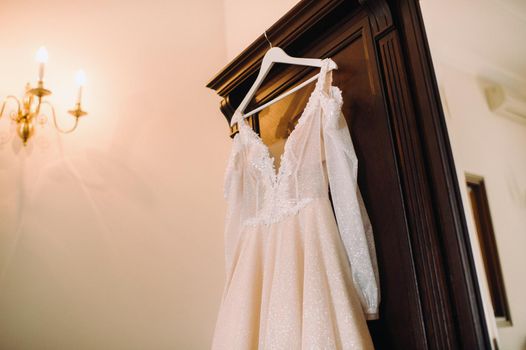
297	276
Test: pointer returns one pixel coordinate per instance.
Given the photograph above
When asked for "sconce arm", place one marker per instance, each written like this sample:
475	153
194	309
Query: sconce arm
4	103
55	119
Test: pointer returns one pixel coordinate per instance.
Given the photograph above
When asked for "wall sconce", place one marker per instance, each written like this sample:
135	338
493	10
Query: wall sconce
29	108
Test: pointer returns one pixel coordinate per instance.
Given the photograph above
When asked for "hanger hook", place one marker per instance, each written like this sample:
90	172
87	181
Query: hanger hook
266	37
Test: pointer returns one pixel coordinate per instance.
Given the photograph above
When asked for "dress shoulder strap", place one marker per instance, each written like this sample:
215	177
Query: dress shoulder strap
324	81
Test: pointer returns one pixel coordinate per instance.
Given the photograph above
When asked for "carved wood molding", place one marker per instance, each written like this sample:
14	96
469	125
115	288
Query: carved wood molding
379	14
428	262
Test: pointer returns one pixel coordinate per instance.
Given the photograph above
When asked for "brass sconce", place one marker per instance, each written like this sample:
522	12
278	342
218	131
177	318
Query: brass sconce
30	106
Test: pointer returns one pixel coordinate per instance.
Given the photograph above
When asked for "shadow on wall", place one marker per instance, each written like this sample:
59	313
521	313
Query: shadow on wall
83	239
89	196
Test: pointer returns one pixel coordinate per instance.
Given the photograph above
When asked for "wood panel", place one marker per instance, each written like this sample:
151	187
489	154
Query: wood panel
365	112
412	174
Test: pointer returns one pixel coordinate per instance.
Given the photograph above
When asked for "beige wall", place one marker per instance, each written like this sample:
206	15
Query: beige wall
494	147
112	237
246	20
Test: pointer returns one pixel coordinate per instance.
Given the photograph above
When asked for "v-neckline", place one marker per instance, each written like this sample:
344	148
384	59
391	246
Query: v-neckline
276	173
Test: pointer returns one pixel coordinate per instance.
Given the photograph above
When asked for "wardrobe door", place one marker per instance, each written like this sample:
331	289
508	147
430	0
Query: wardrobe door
378	177
429	298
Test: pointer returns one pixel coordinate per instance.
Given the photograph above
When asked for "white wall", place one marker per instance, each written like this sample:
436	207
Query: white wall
112	237
495	148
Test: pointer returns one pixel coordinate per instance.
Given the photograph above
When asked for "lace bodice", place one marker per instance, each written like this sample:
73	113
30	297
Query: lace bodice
318	155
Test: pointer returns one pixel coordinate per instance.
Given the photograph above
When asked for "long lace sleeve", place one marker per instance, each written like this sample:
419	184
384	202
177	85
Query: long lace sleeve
353	222
233	192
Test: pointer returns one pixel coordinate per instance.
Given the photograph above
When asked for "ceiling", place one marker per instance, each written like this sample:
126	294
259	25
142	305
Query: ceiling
483	37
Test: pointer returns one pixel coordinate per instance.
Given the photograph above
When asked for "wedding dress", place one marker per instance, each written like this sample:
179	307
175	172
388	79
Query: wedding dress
299	276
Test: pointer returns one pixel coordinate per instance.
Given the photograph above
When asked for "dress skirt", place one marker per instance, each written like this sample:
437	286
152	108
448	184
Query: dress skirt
291	288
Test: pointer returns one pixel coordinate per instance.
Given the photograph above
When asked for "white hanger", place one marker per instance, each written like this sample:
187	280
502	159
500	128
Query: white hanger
274	55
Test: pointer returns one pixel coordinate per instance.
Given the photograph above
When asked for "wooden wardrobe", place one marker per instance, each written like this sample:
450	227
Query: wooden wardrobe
430	298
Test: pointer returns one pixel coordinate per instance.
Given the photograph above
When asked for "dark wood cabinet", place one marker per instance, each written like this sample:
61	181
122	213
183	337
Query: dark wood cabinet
430	298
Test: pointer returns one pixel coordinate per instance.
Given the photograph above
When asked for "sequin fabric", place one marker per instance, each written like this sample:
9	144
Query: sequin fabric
298	274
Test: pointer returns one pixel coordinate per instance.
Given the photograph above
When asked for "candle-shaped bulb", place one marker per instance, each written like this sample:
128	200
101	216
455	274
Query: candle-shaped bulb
41	58
42	55
80	78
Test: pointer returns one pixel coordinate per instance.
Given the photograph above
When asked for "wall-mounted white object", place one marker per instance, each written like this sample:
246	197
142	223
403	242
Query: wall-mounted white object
505	101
